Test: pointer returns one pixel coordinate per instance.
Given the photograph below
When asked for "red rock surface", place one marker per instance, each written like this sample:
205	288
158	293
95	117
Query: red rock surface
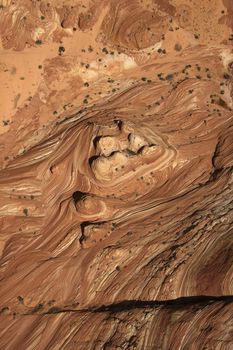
116	138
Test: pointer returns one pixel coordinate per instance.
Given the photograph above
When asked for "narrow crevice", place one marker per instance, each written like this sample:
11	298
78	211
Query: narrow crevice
179	302
88	223
96	140
215	155
146	304
92	159
82	227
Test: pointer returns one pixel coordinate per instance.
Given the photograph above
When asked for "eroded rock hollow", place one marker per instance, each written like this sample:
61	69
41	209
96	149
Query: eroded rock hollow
116	175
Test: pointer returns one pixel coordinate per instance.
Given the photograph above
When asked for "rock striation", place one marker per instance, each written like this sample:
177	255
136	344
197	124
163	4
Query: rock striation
116	175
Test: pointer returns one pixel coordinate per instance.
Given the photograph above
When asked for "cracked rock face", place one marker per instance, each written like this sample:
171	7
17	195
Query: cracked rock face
116	175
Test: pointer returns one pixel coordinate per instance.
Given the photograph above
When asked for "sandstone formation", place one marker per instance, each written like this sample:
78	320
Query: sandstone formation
116	174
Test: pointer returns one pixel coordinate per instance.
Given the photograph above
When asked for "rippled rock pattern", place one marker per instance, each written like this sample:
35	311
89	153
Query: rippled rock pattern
116	174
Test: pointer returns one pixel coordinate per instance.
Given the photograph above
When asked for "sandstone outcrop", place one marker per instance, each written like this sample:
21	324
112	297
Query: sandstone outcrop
116	175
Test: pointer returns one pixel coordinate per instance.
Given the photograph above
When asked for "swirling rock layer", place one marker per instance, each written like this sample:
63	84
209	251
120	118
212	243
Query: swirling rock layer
116	174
